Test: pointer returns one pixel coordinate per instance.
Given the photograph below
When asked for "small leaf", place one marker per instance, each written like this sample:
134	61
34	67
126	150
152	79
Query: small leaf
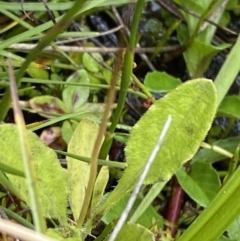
67	130
107	74
37	73
90	63
100	185
93	111
81	143
96	81
75	96
51	177
206	155
201	184
230	106
48	104
160	81
199	55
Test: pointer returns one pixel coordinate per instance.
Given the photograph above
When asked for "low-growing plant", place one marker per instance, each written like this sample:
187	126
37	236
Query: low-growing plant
71	203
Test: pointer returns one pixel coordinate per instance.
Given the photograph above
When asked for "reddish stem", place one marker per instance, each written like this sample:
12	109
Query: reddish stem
174	207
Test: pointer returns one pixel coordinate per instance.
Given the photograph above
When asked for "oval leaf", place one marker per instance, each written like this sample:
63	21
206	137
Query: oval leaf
94	111
50	176
90	63
75	96
201	183
81	143
48	104
37	73
160	82
192	107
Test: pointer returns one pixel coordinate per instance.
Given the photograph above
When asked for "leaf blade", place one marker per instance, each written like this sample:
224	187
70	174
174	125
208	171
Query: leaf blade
81	143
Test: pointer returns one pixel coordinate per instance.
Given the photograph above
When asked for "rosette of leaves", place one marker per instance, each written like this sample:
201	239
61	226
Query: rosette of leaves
74	100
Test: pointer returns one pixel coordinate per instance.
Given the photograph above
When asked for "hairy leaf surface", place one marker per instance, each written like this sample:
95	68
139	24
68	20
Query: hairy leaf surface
192	107
51	177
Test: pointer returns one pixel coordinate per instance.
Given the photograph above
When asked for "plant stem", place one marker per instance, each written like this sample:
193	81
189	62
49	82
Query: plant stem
143	88
31	178
217	149
174	206
97	146
126	77
88	160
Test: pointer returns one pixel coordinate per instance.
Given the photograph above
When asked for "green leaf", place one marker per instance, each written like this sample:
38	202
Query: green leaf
228	72
201	183
96	81
218	215
81	143
107	74
233	230
206	155
230	106
199	55
67	130
75	96
93	111
192	106
90	63
146	219
200	52
134	232
51	177
197	8
37	73
99	187
201	8
48	104
160	81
